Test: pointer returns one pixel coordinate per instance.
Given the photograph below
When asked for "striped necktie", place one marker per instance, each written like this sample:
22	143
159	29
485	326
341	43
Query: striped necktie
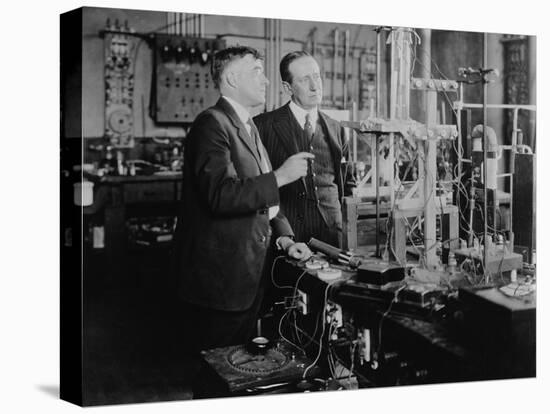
264	166
259	146
308	128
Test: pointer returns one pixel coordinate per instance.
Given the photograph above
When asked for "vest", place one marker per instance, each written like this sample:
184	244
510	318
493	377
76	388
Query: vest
322	198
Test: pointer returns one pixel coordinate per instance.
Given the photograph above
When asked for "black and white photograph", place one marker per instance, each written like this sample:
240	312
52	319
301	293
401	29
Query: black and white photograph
272	204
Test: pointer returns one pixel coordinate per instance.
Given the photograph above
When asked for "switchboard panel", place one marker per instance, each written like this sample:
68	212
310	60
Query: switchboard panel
119	46
183	85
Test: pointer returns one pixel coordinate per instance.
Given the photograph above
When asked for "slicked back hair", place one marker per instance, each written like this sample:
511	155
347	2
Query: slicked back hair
286	76
225	56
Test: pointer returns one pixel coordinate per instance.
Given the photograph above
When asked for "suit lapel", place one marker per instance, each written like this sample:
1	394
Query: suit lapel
226	107
332	133
331	127
284	131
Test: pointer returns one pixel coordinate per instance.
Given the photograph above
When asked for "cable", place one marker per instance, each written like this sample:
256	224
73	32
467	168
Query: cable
291	309
281	332
295	323
332	366
273	272
322	332
384	315
352	359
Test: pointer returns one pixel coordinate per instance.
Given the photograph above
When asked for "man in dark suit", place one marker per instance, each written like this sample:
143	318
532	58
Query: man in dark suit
230	216
312	204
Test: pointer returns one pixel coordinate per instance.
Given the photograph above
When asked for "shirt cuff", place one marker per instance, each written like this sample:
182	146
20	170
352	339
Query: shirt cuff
278	241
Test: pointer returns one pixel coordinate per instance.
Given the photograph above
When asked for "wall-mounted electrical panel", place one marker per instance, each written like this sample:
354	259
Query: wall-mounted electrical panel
119	45
183	86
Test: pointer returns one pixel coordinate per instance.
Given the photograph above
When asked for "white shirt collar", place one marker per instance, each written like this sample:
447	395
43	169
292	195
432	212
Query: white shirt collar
241	111
300	114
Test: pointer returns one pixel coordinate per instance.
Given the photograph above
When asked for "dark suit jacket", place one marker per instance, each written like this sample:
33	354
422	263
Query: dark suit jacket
276	131
223	230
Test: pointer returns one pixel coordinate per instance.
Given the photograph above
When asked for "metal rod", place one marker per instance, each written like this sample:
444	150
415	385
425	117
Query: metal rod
354	117
376	158
270	60
279	56
485	218
377	166
459	155
272	55
500	106
346	52
274	62
334	58
378	71
512	171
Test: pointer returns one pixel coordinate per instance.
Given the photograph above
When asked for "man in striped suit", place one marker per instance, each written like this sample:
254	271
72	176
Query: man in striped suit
312	204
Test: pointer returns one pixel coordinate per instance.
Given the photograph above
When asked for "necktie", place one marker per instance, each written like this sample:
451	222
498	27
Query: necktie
264	167
308	128
259	147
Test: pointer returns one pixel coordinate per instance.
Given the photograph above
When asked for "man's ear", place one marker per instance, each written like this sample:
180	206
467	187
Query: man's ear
286	87
231	79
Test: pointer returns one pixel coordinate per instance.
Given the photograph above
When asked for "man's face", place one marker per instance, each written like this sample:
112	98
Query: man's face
306	87
250	81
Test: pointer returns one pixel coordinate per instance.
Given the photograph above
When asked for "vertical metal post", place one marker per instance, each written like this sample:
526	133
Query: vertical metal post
485	218
378	71
459	155
429	183
276	63
430	153
376	145
377	177
334	67
354	117
512	171
345	84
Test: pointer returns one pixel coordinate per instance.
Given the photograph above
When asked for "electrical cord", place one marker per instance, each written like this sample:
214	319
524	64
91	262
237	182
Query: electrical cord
291	309
384	315
273	273
322	331
281	332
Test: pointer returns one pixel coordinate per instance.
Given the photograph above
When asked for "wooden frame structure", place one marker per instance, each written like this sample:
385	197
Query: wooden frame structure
419	197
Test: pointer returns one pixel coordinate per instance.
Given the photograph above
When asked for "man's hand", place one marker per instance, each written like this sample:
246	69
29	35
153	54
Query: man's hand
298	251
293	168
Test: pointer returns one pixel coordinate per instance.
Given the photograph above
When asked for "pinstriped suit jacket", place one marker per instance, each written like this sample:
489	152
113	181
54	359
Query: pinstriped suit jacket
276	131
